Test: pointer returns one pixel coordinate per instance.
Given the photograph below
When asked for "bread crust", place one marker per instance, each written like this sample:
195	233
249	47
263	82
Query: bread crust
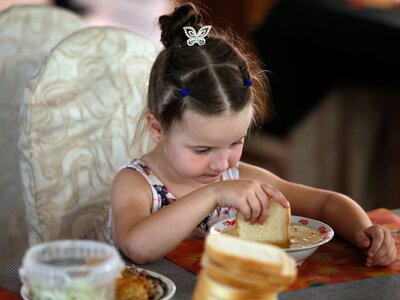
239	279
245	262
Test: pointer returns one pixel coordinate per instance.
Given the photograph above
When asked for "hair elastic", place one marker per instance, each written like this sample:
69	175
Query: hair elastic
248	82
184	92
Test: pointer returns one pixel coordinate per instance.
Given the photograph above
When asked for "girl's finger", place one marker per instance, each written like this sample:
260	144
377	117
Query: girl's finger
275	194
255	208
377	237
388	252
264	203
363	241
379	257
245	210
383	261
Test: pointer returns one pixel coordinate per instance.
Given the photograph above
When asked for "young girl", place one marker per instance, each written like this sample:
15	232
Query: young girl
204	95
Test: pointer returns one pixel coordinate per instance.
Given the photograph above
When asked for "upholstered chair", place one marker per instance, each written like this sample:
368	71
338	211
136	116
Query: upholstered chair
27	34
76	130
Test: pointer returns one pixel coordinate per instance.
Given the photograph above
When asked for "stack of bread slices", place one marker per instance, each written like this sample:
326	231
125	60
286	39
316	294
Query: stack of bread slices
233	268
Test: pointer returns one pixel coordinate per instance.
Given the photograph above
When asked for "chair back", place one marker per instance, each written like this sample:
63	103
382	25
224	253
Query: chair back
76	130
27	34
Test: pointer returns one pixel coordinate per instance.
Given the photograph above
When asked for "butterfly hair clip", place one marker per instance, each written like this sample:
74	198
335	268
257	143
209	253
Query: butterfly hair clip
196	37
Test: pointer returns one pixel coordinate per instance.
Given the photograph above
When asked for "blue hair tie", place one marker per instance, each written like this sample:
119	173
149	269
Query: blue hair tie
248	82
184	92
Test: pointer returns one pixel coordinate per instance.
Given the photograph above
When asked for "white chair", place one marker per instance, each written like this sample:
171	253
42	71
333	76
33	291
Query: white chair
76	130
27	34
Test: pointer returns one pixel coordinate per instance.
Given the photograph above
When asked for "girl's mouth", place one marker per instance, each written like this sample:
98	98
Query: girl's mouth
213	175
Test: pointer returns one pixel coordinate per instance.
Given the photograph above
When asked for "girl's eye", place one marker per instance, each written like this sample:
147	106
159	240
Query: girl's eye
237	143
201	151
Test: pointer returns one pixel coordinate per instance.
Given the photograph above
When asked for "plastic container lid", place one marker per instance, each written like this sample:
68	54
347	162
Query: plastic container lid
71	262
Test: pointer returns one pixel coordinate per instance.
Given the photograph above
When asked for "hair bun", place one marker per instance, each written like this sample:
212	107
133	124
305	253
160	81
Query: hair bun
172	25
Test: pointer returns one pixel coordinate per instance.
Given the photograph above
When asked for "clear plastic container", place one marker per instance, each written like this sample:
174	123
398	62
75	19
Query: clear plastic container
71	269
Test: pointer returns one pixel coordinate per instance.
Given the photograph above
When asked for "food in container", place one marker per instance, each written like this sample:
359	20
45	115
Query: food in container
71	269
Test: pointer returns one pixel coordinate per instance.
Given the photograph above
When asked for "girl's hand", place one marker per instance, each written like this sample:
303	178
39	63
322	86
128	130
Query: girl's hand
250	197
377	242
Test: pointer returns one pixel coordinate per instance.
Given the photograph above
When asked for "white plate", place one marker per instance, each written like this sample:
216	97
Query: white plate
300	253
25	293
170	286
169	291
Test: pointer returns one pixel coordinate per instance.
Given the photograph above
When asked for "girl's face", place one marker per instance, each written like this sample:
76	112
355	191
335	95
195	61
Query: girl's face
201	147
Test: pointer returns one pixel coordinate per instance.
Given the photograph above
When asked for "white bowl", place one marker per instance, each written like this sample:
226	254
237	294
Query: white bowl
298	253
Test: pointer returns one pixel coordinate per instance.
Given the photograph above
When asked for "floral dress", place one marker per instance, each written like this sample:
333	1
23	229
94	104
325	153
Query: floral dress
163	197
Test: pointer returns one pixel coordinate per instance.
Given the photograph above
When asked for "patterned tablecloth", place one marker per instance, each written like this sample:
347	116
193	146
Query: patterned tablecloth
6	294
335	262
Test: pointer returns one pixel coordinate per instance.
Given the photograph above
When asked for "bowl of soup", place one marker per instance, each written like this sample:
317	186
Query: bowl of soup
306	235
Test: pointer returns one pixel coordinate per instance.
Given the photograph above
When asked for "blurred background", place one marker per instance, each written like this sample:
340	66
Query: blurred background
333	67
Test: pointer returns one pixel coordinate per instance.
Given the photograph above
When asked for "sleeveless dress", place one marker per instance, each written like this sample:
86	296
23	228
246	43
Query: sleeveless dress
163	197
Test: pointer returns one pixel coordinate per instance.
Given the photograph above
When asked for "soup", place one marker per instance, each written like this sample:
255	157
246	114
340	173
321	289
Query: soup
300	235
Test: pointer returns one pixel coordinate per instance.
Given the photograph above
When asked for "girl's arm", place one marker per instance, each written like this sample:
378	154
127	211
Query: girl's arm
142	236
342	213
339	211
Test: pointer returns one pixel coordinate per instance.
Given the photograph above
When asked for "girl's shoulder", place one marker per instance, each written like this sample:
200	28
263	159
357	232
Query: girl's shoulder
134	171
138	165
133	177
129	174
142	171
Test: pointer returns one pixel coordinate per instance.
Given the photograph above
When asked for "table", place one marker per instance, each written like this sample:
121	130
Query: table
383	287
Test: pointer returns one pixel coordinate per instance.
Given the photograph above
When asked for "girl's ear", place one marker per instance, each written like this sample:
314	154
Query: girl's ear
155	127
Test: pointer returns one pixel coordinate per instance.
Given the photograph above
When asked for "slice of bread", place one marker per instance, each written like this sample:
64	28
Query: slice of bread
244	279
212	289
225	250
236	269
275	230
238	279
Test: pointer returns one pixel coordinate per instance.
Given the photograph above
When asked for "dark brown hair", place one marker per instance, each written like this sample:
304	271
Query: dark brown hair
213	73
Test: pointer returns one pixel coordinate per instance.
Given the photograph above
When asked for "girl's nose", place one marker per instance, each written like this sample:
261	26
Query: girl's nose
220	161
